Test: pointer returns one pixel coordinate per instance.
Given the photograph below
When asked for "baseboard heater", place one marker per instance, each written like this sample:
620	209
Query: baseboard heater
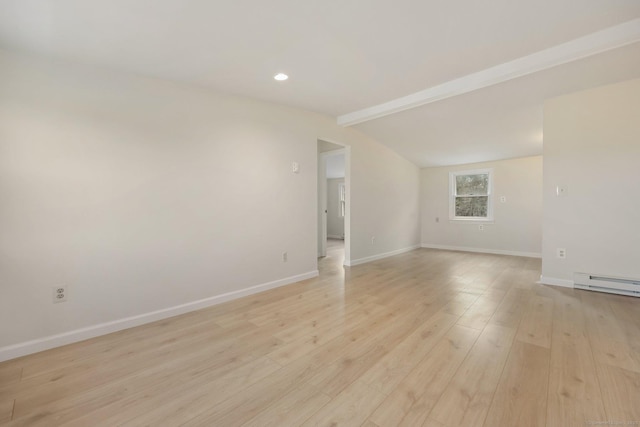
612	285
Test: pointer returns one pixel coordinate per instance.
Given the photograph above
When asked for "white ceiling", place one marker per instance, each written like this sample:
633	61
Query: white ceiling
347	55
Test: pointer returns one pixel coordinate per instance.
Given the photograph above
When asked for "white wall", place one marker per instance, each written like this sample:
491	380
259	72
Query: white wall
384	196
592	146
335	222
517	225
141	194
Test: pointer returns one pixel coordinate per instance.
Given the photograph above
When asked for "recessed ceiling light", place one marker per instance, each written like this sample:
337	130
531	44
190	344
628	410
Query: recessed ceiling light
281	77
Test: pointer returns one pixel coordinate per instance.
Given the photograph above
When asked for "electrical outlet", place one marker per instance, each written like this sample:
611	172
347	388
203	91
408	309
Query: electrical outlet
284	257
295	167
481	227
60	294
561	253
503	199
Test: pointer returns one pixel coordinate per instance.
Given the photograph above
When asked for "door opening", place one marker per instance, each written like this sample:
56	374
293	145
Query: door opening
333	203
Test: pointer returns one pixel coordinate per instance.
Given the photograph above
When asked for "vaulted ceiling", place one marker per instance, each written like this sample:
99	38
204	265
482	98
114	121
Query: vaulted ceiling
351	56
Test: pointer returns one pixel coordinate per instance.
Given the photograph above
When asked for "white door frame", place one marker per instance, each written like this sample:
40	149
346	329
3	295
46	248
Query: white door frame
322	205
322	199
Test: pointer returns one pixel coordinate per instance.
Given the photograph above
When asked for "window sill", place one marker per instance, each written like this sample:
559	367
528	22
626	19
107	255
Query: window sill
472	220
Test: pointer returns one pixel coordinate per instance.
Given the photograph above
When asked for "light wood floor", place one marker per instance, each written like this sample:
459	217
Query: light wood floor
334	244
428	338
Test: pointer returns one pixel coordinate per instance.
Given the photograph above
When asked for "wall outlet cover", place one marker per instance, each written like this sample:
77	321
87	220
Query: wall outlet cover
59	294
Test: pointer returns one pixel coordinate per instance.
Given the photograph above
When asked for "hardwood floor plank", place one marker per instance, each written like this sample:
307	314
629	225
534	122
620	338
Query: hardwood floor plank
535	326
327	320
429	422
628	311
145	350
350	408
460	303
6	411
356	358
126	400
385	375
105	348
467	398
511	308
621	394
521	397
122	370
10	375
429	337
616	353
574	390
478	315
241	407
333	379
507	278
292	410
601	320
217	401
410	402
317	337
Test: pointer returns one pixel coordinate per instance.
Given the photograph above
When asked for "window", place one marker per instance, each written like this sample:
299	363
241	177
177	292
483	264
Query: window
470	195
342	198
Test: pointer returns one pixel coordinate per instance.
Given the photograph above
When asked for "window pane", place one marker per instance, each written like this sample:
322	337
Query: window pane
472	185
472	206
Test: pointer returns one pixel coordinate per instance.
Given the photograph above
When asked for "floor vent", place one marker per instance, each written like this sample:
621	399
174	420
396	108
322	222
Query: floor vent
612	285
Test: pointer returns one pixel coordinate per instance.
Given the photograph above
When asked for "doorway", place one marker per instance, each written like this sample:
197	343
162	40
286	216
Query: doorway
333	203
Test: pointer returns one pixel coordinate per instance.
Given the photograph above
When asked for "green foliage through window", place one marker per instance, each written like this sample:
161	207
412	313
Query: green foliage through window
472	206
472	195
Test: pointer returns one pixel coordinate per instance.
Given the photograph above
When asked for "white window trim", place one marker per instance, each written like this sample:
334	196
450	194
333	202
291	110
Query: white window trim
452	196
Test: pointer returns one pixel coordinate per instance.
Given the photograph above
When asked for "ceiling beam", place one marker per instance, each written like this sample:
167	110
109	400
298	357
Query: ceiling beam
592	44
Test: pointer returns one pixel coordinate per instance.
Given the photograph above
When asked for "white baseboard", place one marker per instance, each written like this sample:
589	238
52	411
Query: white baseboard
482	250
545	280
335	236
40	344
364	260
